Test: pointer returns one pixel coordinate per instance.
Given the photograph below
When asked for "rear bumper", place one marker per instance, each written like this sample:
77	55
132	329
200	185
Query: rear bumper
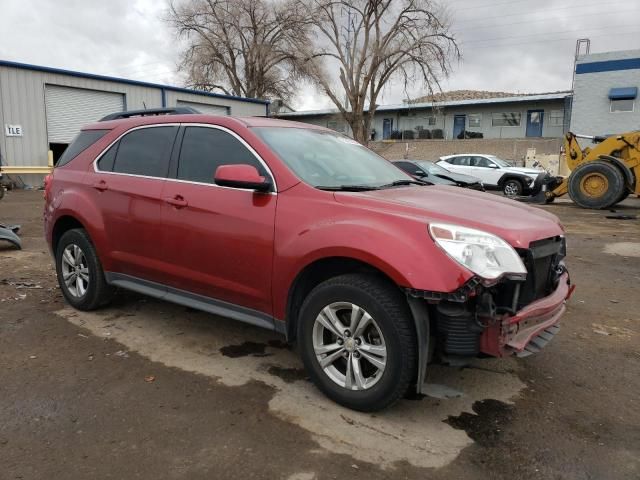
507	335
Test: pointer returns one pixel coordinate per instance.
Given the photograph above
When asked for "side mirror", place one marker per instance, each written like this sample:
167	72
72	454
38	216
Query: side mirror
493	165
420	174
241	176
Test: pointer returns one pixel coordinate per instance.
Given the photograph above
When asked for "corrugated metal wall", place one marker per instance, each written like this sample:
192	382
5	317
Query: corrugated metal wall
69	109
204	108
238	108
22	102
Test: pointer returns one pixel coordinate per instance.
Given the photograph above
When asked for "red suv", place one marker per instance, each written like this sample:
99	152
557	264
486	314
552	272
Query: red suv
304	231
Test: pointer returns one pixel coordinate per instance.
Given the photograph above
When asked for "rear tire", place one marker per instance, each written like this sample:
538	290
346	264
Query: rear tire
596	185
351	372
512	188
80	273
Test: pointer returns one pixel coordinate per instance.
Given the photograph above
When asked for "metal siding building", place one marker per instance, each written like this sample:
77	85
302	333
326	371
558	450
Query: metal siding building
51	104
598	78
443	116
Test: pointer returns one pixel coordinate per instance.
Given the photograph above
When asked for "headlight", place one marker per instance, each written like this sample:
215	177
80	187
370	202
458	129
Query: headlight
484	254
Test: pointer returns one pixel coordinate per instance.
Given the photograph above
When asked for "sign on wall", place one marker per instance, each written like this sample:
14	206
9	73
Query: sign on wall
13	130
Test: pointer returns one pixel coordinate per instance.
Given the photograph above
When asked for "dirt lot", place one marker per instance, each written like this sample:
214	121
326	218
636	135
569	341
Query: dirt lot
145	389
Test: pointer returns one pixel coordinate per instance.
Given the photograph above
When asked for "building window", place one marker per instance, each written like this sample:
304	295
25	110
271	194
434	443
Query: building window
556	118
509	119
623	105
431	121
475	120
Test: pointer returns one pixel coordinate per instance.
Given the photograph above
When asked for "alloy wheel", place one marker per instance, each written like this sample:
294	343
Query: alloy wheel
349	346
75	270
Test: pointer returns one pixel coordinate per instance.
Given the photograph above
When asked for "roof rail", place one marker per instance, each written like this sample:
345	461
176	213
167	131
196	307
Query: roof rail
149	111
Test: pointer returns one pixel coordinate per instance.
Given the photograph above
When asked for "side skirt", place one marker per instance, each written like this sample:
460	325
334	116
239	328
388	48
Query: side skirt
195	301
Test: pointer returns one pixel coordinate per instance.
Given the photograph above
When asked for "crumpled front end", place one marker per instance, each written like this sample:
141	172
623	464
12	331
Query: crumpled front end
509	317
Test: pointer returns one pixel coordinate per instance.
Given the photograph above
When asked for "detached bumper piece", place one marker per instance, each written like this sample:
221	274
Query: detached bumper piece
539	341
10	234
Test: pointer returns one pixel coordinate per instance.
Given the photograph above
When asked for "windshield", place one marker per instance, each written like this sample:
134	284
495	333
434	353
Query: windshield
433	169
499	161
327	159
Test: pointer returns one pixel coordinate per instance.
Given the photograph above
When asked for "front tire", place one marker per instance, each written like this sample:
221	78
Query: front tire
512	188
79	271
358	341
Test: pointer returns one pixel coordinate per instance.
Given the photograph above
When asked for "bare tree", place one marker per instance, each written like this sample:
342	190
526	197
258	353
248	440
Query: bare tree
372	43
241	47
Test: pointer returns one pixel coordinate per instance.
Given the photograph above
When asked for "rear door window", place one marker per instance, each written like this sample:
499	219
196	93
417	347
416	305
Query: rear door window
84	140
205	149
461	161
144	152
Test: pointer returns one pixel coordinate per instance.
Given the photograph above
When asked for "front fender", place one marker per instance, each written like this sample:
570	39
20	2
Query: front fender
398	246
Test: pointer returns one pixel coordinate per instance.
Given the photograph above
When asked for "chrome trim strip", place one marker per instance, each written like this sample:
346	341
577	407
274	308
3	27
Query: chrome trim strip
205	125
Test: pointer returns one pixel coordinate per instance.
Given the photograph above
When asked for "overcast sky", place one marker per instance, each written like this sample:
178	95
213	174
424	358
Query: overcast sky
516	46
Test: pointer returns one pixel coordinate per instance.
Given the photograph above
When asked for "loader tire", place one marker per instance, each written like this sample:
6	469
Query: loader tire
624	195
596	185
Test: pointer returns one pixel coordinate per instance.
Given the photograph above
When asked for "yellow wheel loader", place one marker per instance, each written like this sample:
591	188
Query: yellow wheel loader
601	175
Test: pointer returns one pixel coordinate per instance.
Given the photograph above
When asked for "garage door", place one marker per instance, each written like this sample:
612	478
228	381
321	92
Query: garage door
205	107
69	109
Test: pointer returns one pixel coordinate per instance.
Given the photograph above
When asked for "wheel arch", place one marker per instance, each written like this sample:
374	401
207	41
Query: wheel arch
512	176
63	224
318	271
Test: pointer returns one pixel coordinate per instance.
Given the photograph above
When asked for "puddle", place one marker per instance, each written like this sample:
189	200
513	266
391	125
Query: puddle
623	249
289	375
252	349
487	424
245	349
233	354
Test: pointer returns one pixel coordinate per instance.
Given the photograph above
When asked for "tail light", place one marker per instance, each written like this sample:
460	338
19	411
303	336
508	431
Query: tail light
47	185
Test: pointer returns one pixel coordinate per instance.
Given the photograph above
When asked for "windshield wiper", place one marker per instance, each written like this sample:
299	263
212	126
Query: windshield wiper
399	183
347	188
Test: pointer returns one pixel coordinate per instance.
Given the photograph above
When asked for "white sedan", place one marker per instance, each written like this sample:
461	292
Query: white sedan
494	172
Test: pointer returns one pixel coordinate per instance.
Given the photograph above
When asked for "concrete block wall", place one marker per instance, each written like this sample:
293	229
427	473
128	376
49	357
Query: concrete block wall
514	150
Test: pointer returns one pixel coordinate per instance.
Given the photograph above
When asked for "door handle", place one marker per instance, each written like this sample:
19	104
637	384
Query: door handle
101	186
178	201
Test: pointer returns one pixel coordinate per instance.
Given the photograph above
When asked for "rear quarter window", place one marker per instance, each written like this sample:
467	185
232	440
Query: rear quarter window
83	140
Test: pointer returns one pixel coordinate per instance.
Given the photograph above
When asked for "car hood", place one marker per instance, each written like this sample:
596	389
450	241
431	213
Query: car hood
516	223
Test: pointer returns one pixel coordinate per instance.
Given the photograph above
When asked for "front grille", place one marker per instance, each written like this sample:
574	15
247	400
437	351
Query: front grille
541	260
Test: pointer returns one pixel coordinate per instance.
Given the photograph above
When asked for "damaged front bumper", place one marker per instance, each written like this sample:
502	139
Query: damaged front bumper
530	328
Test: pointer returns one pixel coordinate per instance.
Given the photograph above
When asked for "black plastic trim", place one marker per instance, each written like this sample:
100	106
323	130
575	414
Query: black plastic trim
193	300
461	295
420	314
149	111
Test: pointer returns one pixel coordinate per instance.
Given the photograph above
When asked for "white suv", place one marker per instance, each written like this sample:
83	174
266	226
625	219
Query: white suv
494	172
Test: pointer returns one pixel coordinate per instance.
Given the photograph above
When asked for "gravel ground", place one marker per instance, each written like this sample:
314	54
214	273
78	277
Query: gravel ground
145	389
